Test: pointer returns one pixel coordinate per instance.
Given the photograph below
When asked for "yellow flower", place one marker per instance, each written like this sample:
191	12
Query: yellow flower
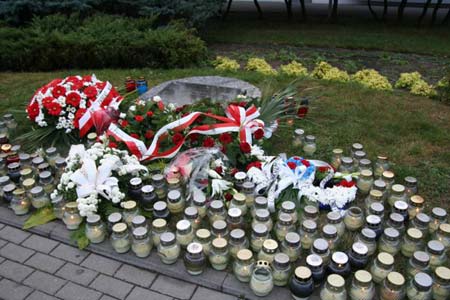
372	79
294	69
261	66
422	88
407	80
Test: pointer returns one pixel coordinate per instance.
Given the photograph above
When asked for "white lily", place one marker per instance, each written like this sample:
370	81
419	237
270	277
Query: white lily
213	174
219	186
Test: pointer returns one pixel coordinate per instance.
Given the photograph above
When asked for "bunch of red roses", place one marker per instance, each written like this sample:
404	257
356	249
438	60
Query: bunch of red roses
62	102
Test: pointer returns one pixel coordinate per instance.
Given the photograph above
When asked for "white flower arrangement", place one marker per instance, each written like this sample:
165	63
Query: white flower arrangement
96	174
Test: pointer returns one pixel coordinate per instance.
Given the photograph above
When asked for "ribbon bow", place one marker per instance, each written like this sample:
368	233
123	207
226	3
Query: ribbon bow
245	120
90	179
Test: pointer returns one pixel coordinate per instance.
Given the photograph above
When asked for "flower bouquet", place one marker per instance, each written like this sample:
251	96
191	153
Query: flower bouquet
98	177
63	109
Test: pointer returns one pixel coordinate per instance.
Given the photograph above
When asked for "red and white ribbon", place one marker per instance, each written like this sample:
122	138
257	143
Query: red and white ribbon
86	122
237	119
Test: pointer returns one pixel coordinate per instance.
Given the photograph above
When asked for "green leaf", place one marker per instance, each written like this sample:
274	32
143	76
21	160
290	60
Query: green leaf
79	237
40	217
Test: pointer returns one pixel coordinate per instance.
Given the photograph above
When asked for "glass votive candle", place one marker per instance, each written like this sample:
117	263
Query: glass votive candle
441	285
194	259
334	219
283	226
389	178
411	186
239	201
130	210
39	198
380	185
389	241
347	165
365	182
364	164
320	248
219	229
362	287
415	206
436	251
443	235
309	147
239	179
401	207
438	216
420	287
184	234
354	218
159	226
381	267
421	222
308	233
357	256
113	219
334	288
260	233
142	243
175	203
261	282
20	204
216	211
148	197
419	262
234	218
72	217
374	222
288	207
375	196
160	210
339	264
238	241
95	230
139	221
191	215
120	239
299	135
243	265
396	221
367	237
260	203
397	193
381	165
302	283
168	248
291	246
356	147
281	269
199	202
310	213
248	190
262	216
315	263
412	241
376	209
160	186
336	158
58	206
219	255
393	287
329	233
268	250
8	190
203	237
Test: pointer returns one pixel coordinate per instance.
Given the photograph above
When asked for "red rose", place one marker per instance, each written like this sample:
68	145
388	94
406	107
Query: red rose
219	170
73	99
149	134
33	110
112	145
150	114
245	147
225	138
47	101
134	135
194	137
58	91
54	109
255	164
124	123
228	197
292	165
177	138
233	171
346	183
242	104
209	142
91	92
306	163
259	134
139	118
297	158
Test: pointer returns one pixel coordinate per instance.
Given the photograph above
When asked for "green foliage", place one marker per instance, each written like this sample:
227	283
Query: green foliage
417	86
294	69
443	88
407	80
223	63
40	217
260	65
324	70
372	79
57	42
79	236
194	12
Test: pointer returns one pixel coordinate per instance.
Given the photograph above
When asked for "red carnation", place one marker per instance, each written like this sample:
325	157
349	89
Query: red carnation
259	134
233	171
87	78
292	165
255	164
346	183
219	170
91	92
139	118
177	138
228	197
193	137
33	110
124	123
242	104
54	109
149	134
112	145
150	114
209	142
225	138
134	135
245	147
47	101
73	99
58	91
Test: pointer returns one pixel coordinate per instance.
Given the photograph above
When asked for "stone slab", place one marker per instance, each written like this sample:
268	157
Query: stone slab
139	293
101	264
13	291
44	282
38	295
44	262
14	235
72	291
187	90
111	286
69	253
208	294
135	275
16	253
173	287
40	244
14	271
77	274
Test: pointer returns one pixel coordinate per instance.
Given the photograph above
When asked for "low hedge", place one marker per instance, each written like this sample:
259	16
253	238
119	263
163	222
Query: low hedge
57	42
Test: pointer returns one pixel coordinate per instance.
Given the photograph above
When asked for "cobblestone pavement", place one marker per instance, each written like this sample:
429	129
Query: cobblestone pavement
37	268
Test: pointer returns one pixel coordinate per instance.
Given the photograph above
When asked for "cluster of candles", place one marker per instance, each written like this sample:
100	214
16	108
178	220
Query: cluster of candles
298	246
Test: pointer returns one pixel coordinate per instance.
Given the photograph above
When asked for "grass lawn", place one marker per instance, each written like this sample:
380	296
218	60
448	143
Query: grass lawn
412	130
352	34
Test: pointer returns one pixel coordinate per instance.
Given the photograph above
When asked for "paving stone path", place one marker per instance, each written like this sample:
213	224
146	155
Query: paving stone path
37	268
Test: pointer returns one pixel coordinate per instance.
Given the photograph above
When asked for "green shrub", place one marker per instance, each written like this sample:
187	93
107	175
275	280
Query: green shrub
294	69
98	42
194	12
260	65
372	79
324	70
223	63
443	88
407	80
